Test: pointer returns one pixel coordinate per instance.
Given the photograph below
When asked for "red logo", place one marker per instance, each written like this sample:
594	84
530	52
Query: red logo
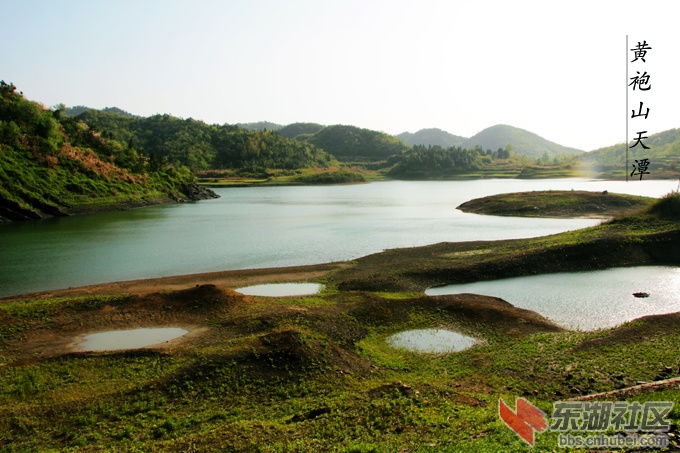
528	419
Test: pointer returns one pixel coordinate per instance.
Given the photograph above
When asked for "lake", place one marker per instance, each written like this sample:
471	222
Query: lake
259	227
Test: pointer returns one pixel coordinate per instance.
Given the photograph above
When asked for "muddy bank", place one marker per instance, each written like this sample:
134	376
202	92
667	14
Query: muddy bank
234	279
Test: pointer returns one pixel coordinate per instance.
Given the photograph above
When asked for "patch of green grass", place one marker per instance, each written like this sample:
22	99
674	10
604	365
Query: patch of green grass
311	301
17	316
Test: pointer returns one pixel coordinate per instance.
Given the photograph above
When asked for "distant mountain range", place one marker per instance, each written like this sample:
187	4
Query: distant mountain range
493	138
354	144
350	142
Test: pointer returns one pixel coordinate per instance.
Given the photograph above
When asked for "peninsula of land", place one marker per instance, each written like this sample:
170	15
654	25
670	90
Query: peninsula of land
557	203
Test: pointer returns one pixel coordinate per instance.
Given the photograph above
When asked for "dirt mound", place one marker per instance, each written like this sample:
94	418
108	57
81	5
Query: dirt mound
485	312
494	312
199	299
295	351
637	331
266	363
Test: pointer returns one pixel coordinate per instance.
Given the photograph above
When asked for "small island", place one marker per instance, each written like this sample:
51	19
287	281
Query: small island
557	203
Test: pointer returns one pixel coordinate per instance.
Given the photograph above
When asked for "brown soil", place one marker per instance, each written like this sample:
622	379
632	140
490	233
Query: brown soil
189	309
234	279
260	326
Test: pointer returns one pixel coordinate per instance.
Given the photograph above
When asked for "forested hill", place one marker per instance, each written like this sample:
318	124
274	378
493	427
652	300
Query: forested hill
522	141
431	137
353	144
54	165
201	146
300	131
663	154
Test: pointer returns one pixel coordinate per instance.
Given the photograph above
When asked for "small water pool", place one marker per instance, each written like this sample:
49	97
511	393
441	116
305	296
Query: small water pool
586	300
130	339
431	340
281	289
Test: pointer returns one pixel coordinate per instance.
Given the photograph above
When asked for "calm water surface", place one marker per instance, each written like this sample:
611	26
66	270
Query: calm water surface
586	300
130	339
431	340
281	289
269	226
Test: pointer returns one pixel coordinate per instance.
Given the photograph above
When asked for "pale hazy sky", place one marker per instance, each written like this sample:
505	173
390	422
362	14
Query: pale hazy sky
554	68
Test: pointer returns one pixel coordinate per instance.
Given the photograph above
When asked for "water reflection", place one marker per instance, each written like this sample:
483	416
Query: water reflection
281	289
269	227
586	300
130	339
431	340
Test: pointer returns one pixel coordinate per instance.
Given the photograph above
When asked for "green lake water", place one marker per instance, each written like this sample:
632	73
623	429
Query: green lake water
269	226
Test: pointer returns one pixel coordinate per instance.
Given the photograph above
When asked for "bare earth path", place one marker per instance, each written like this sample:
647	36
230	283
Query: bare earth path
235	278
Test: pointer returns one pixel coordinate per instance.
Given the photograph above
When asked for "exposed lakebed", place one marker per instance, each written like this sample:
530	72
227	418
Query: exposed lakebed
115	340
585	300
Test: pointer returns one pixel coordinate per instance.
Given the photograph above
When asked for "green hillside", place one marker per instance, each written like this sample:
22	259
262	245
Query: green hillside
201	146
431	137
54	165
522	141
353	144
663	155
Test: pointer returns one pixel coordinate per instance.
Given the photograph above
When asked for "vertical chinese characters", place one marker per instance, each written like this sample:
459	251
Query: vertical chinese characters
639	84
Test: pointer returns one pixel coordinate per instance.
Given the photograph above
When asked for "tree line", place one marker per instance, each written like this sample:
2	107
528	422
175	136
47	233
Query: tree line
427	161
200	146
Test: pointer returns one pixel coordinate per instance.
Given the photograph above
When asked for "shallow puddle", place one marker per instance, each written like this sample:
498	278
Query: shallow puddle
431	340
281	289
130	339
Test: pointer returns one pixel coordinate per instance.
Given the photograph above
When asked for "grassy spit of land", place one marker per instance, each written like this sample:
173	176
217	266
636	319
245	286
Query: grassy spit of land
315	373
273	177
557	203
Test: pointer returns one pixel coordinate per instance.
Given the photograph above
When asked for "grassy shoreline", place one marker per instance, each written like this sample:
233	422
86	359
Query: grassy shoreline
314	373
558	204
